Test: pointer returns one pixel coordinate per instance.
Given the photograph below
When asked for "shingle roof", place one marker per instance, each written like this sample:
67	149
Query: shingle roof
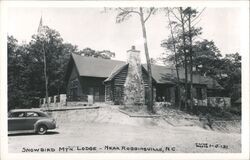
115	71
161	74
95	67
164	74
98	67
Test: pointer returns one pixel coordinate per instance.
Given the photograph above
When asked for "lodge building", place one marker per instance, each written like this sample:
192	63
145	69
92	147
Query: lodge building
121	82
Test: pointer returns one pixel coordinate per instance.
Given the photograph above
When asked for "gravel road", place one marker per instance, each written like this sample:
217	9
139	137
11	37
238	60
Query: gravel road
81	136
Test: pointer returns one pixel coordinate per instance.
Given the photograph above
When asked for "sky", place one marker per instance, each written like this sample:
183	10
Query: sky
90	27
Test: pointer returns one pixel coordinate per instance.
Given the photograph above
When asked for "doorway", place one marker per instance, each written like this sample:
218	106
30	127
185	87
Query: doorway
118	95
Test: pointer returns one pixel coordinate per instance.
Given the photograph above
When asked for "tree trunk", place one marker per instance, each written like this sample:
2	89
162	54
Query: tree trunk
46	78
150	102
191	60
176	64
185	57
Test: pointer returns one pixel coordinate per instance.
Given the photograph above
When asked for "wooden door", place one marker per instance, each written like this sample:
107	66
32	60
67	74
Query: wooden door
118	95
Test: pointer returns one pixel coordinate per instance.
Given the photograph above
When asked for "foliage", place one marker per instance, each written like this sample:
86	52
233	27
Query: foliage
105	54
16	75
26	81
230	75
56	57
204	55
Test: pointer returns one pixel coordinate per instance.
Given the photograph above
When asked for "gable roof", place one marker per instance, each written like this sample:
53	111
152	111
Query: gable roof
119	69
115	71
95	67
106	68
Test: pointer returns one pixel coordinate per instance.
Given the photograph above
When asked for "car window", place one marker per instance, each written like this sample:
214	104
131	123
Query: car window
17	114
32	114
41	114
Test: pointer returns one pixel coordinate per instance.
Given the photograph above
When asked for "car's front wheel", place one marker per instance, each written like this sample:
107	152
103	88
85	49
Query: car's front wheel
42	129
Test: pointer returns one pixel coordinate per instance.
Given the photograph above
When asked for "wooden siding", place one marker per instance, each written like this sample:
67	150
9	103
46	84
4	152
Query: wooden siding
120	78
74	84
117	85
93	86
108	92
79	87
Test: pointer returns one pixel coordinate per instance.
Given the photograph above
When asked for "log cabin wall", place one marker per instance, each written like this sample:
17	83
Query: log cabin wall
108	92
115	88
113	91
118	85
120	78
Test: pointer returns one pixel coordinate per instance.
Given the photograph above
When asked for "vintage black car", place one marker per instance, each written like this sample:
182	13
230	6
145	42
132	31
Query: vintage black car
29	120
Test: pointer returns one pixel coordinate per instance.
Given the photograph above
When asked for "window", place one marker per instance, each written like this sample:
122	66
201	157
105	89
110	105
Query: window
32	114
17	114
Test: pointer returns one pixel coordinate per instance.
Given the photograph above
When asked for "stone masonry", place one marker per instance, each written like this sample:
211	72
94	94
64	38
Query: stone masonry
134	93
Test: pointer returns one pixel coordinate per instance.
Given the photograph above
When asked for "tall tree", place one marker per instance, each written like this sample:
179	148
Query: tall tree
48	50
192	15
185	30
170	44
42	35
182	21
144	14
16	83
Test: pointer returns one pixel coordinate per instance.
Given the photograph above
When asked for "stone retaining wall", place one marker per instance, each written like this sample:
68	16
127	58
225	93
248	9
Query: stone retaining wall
221	102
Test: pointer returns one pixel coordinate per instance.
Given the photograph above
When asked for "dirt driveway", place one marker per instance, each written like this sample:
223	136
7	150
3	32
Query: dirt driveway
103	135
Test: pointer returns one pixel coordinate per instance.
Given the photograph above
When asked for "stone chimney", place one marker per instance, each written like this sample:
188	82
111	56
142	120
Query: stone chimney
134	93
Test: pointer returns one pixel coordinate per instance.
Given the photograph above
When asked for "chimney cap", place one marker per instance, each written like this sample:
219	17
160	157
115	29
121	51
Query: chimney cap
133	49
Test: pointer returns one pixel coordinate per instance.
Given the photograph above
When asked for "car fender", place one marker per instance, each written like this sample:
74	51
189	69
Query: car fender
45	122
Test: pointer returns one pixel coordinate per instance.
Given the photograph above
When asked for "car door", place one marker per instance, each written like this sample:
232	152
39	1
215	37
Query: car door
31	118
16	121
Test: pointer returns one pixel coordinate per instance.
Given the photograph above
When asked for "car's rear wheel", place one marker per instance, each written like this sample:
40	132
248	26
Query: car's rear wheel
42	129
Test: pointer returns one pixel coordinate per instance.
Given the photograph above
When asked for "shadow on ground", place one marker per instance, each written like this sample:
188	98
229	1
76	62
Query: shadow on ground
33	134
